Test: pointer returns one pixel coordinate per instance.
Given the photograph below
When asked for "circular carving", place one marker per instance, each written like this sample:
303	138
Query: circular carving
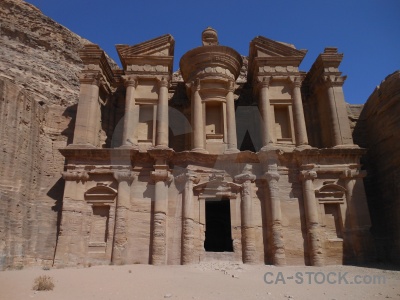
267	68
289	68
279	69
159	68
219	70
135	68
229	73
147	68
208	70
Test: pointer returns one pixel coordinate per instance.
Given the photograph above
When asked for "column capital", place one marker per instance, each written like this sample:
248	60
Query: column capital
308	175
75	175
92	78
231	86
263	81
130	80
333	80
161	175
184	177
242	178
296	81
124	175
271	175
163	82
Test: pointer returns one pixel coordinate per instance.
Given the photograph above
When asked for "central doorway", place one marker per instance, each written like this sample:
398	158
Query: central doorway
218	225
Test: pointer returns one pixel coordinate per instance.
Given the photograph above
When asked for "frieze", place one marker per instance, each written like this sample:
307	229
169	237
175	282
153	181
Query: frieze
147	68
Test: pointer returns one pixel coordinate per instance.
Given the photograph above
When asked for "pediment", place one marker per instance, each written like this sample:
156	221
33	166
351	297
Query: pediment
162	46
217	188
100	194
264	47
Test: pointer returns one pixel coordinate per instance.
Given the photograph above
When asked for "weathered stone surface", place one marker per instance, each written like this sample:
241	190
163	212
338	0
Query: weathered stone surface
39	68
378	130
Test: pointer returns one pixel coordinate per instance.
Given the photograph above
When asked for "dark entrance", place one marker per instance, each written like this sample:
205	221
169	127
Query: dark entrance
218	226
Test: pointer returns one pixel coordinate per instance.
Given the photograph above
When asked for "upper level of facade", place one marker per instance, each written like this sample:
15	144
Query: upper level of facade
217	102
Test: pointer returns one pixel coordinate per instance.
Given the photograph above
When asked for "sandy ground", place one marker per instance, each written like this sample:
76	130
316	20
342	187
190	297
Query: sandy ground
211	280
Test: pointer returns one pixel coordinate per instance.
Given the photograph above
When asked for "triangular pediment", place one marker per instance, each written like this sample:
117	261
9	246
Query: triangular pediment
264	47
160	46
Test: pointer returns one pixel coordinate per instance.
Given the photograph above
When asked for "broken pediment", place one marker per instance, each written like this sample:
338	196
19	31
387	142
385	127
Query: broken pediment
158	50
264	47
268	57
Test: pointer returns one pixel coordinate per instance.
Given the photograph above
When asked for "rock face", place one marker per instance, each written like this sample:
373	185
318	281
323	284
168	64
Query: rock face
378	130
39	87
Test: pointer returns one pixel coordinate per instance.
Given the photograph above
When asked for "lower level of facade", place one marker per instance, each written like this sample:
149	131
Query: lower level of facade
294	206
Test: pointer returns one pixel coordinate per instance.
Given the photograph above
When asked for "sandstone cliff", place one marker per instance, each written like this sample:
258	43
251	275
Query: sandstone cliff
378	130
39	68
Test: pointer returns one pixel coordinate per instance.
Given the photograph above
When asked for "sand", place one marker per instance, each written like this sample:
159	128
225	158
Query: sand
211	280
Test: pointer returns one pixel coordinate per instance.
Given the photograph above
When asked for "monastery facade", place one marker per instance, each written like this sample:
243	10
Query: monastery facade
237	158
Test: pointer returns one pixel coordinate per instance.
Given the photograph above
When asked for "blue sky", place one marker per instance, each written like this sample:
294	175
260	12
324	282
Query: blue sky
367	32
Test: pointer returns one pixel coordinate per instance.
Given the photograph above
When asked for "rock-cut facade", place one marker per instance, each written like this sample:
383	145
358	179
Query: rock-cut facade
240	158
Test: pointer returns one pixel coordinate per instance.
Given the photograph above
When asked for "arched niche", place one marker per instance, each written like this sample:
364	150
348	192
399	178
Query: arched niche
101	199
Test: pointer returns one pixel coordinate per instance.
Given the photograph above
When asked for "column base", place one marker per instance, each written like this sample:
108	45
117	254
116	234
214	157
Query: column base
346	146
126	146
80	146
232	150
199	150
302	147
269	147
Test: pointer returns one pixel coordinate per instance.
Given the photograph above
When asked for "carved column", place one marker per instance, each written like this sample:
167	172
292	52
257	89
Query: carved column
162	115
198	124
87	117
300	123
124	179
248	231
353	230
313	226
188	224
265	108
278	243
131	116
159	242
333	110
231	120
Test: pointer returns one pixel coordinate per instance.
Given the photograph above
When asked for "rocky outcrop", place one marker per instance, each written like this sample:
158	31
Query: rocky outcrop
39	67
378	130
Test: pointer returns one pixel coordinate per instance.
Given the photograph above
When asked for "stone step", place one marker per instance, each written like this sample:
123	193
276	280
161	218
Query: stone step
220	256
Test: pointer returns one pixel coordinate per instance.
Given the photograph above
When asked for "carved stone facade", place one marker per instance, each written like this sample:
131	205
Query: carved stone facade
242	155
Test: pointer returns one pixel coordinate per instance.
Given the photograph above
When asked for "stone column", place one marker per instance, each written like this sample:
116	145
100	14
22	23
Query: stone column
131	116
265	108
188	224
124	178
231	120
162	115
313	227
159	242
300	123
354	228
278	243
198	124
248	231
334	118
87	116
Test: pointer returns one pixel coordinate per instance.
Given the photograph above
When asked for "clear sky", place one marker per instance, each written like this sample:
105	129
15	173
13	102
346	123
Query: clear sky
366	31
